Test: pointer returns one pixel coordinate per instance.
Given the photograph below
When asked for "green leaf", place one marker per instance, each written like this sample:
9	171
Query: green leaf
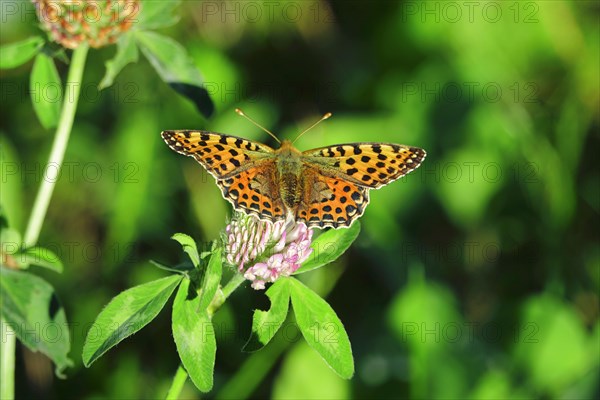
46	90
265	324
189	246
127	52
322	328
31	308
126	314
329	246
14	54
41	257
194	337
157	14
175	67
212	278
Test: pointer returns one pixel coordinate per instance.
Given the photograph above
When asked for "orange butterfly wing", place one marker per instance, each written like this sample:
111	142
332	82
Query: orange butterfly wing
244	170
330	201
338	179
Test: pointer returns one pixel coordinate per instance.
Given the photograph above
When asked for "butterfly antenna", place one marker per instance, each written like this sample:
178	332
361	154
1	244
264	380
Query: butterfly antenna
240	112
323	118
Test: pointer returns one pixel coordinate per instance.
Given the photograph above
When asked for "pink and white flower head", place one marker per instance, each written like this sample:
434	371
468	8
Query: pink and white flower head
263	251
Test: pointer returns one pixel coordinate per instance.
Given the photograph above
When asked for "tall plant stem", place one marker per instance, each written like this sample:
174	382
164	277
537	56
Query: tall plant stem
7	363
63	131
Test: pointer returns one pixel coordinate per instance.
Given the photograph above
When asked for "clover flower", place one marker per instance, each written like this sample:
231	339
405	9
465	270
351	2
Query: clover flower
263	251
97	22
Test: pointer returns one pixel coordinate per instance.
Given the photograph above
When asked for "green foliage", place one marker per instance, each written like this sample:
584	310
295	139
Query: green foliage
212	278
322	329
126	314
196	302
127	52
39	256
265	324
317	321
46	89
193	332
329	246
158	14
189	247
30	307
175	67
29	304
194	336
168	58
14	54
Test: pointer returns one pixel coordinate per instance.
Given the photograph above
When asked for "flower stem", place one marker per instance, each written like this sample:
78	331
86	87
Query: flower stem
65	123
7	363
233	284
222	295
178	381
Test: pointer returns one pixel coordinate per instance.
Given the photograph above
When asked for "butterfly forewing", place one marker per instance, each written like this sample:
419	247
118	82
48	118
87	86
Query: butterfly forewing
221	155
367	164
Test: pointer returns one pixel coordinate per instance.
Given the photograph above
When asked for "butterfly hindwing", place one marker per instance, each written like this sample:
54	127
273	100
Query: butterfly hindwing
366	164
255	191
330	201
221	155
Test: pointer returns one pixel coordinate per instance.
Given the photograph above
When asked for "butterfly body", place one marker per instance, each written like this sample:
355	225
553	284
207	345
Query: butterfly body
289	173
324	187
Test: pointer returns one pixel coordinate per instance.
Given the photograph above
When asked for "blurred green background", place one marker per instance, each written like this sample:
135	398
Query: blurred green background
474	277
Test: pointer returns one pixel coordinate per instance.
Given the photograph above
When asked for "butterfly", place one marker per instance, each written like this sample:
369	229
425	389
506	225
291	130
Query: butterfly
323	187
